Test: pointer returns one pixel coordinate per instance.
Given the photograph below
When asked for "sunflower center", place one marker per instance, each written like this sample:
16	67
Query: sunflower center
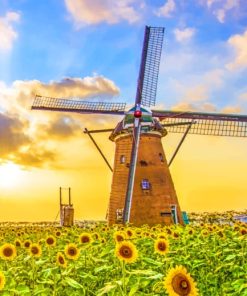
61	260
126	252
50	241
27	244
161	246
72	251
7	252
85	239
181	285
34	250
119	238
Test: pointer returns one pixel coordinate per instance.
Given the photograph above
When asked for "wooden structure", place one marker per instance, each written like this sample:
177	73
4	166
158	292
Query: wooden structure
66	210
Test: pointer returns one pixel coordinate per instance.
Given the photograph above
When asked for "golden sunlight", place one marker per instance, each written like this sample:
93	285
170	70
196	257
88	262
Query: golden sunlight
10	175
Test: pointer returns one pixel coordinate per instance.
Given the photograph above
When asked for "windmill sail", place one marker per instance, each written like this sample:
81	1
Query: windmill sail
214	124
79	106
149	68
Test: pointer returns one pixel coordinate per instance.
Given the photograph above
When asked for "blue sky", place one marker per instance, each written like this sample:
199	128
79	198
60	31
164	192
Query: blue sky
54	41
85	48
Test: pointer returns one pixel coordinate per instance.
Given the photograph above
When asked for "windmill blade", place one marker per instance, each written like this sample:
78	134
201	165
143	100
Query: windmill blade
215	124
149	68
79	106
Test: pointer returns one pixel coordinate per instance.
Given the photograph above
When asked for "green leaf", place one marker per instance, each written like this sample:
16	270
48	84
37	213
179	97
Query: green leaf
142	272
134	289
102	268
106	289
22	289
151	261
73	283
230	257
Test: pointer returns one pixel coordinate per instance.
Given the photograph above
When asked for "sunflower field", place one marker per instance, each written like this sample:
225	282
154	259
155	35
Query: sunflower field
201	258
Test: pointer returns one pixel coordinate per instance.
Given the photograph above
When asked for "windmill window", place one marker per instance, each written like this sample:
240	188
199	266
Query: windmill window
122	159
161	157
143	163
145	184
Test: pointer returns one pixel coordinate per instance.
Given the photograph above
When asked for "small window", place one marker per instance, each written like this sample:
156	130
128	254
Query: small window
122	159
145	184
143	163
161	157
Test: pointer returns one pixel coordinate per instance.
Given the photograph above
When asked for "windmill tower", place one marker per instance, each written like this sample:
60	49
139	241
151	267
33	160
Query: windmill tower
142	189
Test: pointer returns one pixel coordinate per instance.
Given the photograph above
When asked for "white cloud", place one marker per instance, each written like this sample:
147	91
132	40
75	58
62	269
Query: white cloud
166	9
220	8
220	14
7	32
184	35
87	12
239	44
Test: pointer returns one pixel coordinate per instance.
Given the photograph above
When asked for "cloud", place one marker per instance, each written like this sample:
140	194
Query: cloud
243	97
232	109
184	35
87	12
7	33
186	106
220	8
167	9
33	138
239	44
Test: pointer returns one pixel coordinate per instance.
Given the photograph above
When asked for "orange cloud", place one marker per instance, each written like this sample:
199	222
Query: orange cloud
33	138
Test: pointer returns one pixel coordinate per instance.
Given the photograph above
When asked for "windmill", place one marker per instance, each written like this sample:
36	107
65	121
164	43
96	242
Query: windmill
142	190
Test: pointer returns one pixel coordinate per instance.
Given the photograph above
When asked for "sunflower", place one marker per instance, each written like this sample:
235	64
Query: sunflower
85	238
50	241
96	236
119	236
71	251
2	280
27	243
178	282
191	231
35	250
243	231
161	246
8	252
17	243
61	261
175	234
58	233
130	232
126	251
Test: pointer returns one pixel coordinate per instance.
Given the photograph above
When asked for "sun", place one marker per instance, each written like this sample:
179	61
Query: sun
10	175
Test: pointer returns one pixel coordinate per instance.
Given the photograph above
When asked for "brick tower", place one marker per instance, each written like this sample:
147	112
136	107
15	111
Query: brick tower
154	198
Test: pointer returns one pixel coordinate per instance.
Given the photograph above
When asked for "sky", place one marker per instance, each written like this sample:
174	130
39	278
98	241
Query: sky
91	50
